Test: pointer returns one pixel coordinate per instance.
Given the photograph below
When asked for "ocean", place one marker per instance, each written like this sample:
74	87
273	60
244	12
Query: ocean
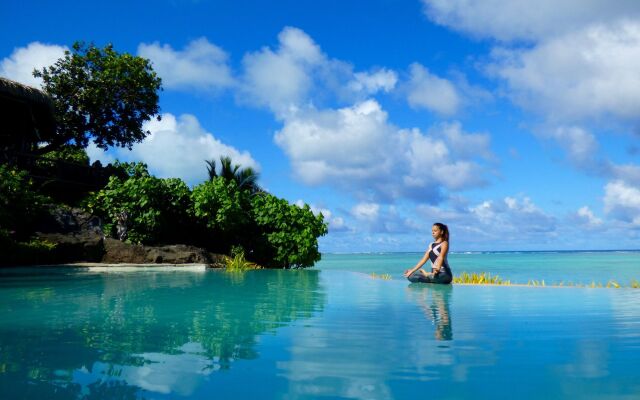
519	267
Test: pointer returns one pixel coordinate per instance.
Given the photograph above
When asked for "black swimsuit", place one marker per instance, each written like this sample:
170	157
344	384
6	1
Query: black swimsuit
433	256
443	276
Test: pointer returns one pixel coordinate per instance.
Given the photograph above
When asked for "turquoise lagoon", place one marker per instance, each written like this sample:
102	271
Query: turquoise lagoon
519	267
329	332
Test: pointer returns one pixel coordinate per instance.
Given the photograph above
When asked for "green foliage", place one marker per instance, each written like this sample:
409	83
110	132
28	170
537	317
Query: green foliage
65	154
100	94
20	203
32	251
223	208
245	178
237	262
483	278
153	210
287	234
385	277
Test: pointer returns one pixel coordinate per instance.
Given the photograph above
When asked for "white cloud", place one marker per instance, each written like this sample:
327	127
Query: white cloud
366	211
582	75
580	145
297	74
20	64
344	144
514	215
629	173
281	79
587	218
431	92
356	148
377	218
200	66
370	83
178	148
495	223
445	157
464	144
95	153
622	201
524	19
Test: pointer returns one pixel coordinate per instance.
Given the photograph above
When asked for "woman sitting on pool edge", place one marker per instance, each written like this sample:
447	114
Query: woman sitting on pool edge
437	253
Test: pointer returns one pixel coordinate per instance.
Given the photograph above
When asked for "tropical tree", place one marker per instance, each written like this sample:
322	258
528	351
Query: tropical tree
100	95
245	178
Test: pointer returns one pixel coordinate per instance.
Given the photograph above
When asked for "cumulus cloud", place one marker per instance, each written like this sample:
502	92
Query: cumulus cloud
622	201
297	73
20	64
582	75
370	83
585	217
366	211
514	214
512	220
629	173
201	65
581	148
357	149
351	143
523	19
428	91
583	152
178	147
282	78
377	218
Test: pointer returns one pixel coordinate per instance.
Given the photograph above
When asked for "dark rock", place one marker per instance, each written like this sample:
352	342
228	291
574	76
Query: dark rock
77	235
75	246
69	220
79	238
119	252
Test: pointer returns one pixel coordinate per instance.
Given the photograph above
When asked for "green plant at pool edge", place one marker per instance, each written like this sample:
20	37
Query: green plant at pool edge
237	262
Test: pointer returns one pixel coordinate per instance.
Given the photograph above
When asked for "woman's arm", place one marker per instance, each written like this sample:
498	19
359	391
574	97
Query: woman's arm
419	264
444	249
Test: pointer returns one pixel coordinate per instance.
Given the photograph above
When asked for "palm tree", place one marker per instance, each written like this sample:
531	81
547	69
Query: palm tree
211	169
245	178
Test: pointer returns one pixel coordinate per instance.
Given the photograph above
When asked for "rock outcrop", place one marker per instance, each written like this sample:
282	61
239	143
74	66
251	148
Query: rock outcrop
78	237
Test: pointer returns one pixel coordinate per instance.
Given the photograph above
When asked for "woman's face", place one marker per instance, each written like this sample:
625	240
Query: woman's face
436	232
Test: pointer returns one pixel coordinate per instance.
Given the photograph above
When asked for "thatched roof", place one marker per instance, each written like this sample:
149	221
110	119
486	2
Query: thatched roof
9	88
25	110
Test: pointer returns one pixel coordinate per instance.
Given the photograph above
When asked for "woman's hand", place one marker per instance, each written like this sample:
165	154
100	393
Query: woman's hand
408	272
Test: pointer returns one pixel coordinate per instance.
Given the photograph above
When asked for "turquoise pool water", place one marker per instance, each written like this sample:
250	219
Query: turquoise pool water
309	334
552	267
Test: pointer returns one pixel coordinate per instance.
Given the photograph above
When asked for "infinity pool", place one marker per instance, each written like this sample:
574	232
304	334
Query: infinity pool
309	334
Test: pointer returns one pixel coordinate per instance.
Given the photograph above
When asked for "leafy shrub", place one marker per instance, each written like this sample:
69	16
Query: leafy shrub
152	210
20	204
33	251
223	209
66	154
287	235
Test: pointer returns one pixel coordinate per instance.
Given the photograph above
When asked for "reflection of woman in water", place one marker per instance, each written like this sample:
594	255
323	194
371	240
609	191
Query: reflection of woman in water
437	254
436	308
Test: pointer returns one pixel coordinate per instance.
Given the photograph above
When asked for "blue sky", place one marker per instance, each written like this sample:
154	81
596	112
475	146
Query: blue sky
514	122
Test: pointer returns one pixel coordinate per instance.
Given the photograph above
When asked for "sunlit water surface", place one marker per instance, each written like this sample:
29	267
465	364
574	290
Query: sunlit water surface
309	334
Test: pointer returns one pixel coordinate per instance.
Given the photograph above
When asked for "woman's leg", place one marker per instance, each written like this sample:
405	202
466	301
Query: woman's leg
419	276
